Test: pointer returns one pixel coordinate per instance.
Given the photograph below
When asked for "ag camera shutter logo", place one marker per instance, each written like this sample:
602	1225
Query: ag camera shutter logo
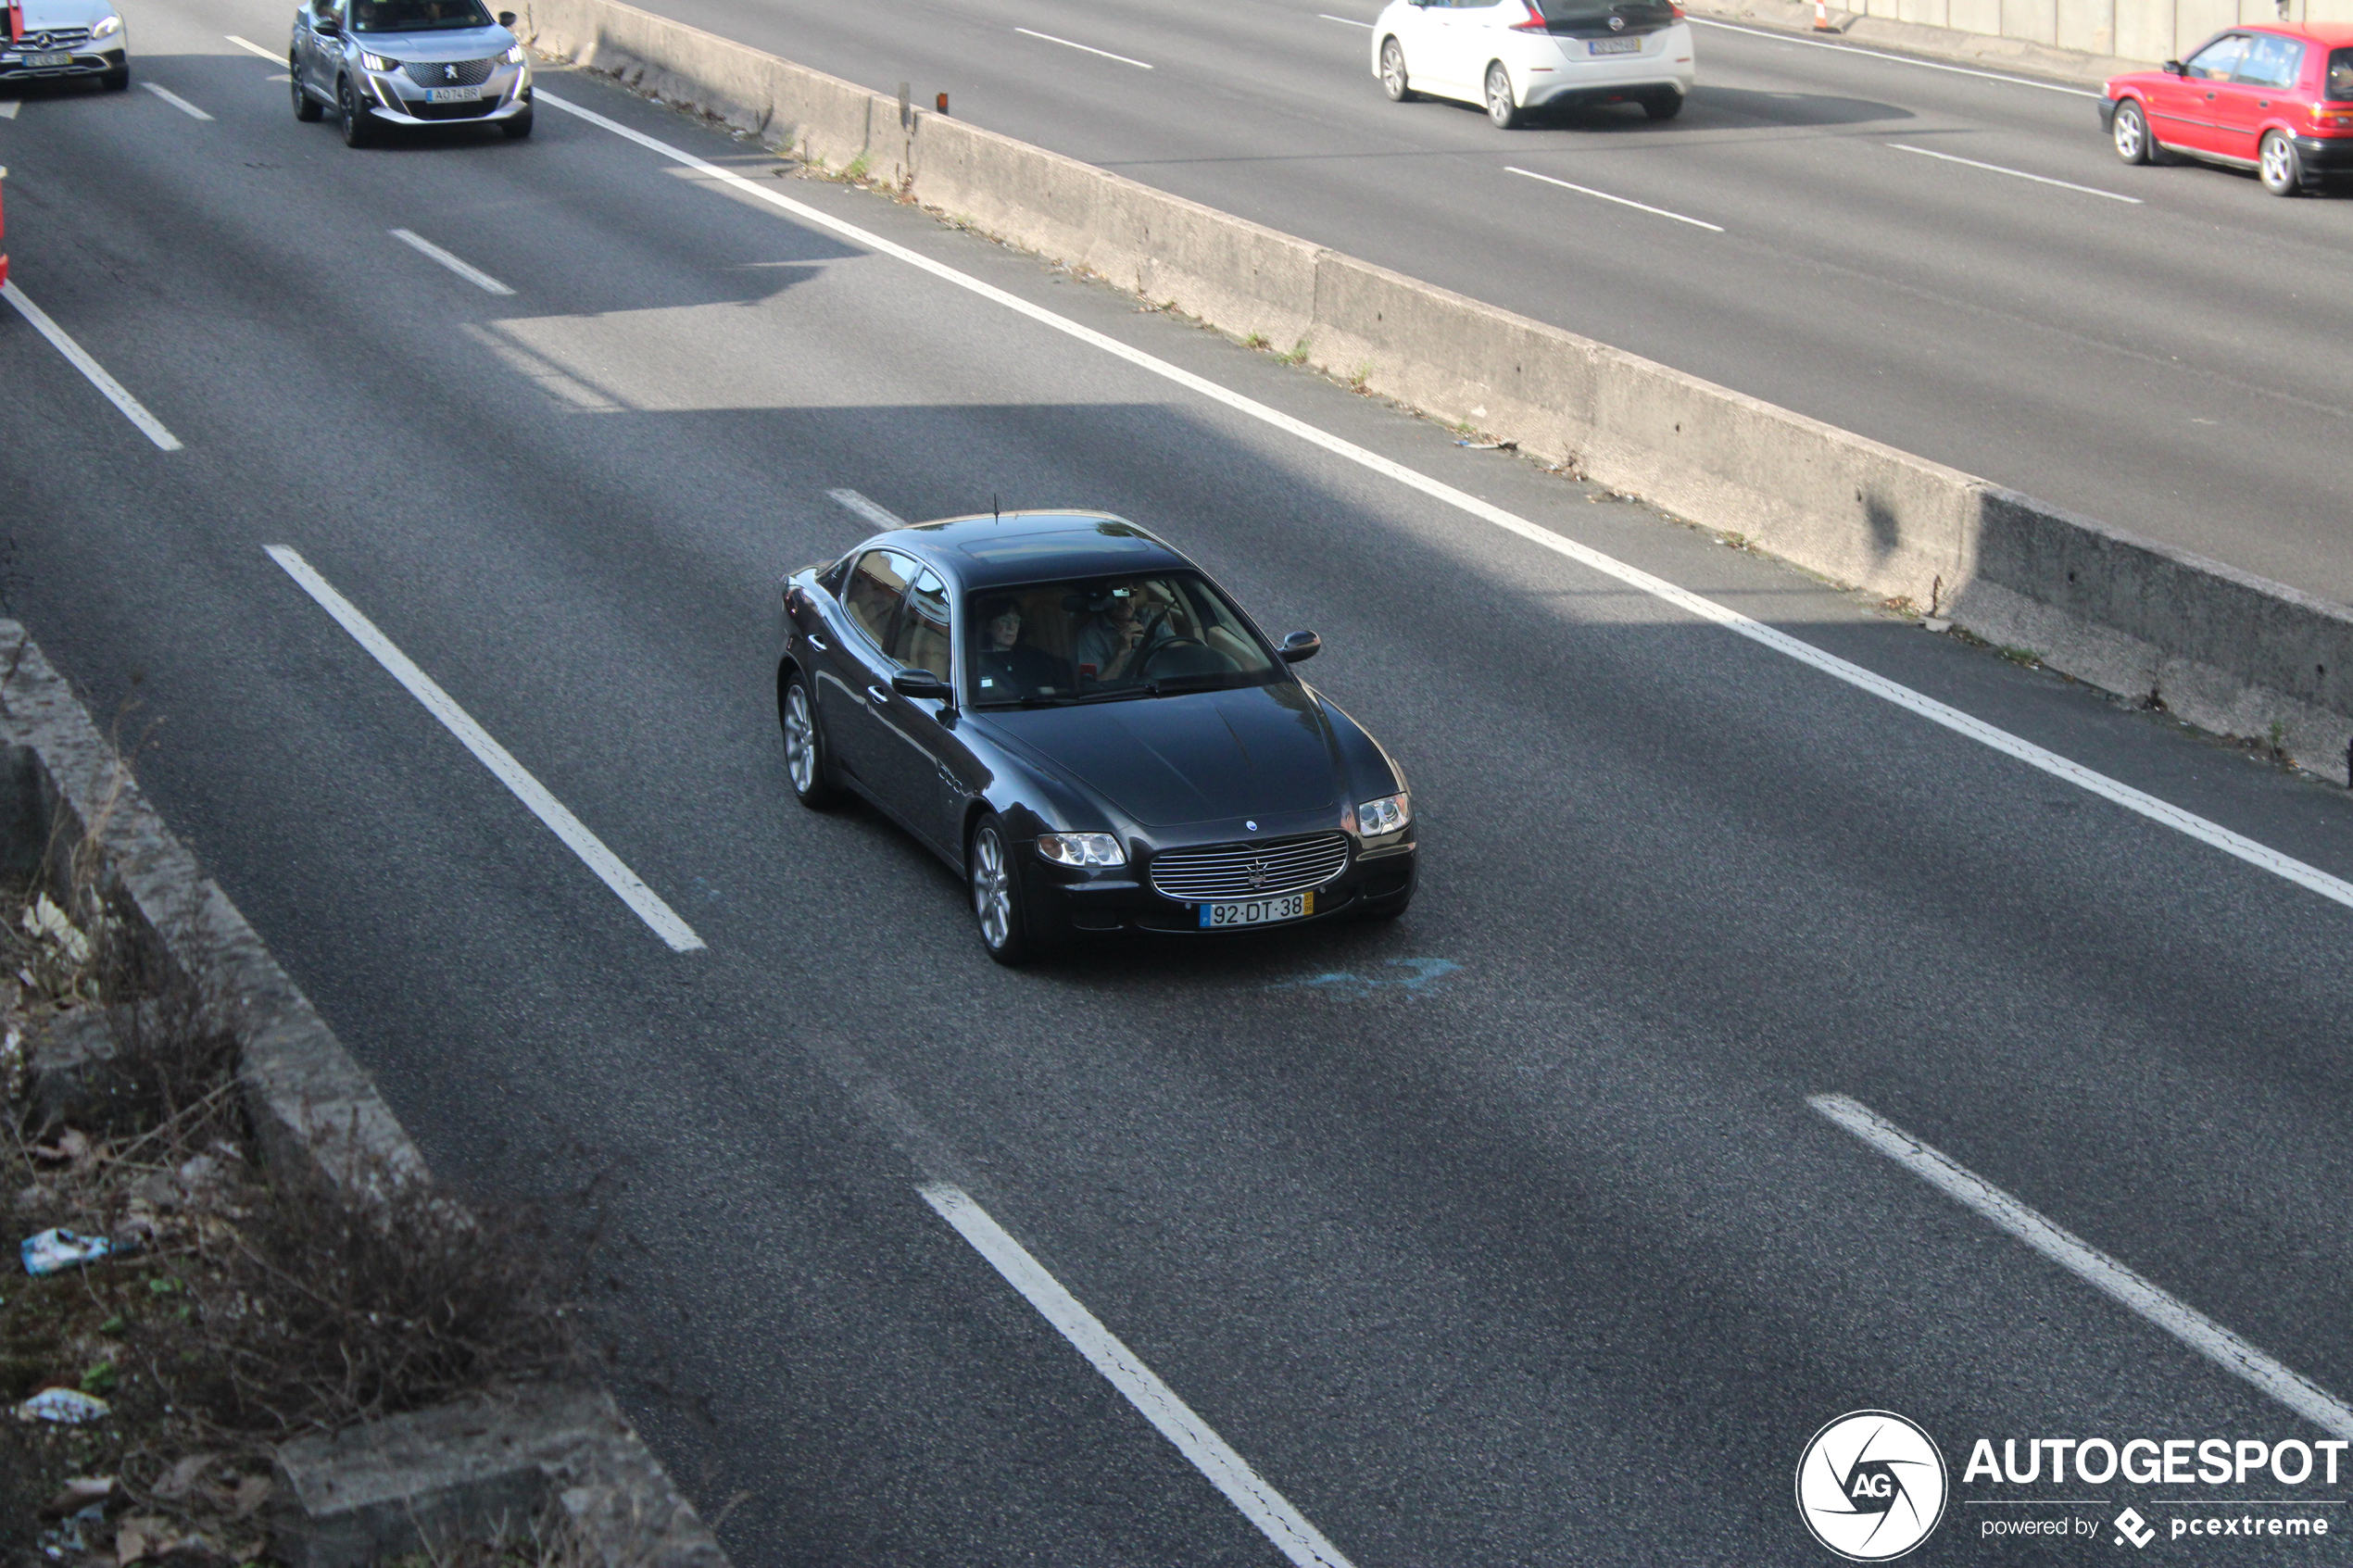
1871	1485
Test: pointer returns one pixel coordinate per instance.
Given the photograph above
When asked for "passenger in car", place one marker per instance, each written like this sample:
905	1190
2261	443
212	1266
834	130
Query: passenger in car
1005	668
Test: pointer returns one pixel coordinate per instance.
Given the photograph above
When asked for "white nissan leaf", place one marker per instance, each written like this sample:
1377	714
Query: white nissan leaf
1519	56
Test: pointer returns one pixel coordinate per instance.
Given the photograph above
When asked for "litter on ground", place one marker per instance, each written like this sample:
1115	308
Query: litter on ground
67	1407
55	1250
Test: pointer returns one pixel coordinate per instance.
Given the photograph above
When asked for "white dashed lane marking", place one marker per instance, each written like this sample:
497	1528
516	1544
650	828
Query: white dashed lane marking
1087	48
1137	1384
95	373
880	516
2016	173
642	900
176	101
2093	1267
465	269
1622	201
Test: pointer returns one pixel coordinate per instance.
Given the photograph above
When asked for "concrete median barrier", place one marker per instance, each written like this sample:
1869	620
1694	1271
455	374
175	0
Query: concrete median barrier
2224	650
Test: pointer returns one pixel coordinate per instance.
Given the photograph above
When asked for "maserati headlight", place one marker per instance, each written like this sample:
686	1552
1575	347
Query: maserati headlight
1081	849
378	63
1389	814
107	28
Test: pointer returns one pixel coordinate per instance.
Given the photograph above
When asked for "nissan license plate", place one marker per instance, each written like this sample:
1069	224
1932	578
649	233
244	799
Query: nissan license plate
46	62
1615	46
453	95
1257	911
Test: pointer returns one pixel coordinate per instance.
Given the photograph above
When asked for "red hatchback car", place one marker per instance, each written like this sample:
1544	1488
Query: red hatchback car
2273	97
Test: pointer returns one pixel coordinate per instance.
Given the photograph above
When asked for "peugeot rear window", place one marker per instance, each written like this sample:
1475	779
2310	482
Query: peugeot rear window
416	16
1588	15
2340	82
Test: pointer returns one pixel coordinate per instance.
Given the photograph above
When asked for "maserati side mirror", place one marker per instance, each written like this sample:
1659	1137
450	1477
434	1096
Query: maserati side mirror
920	682
1301	645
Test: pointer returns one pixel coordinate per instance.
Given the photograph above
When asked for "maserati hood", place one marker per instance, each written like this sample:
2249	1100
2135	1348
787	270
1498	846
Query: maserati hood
1205	756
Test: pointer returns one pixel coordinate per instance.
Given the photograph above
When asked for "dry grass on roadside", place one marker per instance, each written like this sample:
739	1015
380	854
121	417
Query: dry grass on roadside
248	1305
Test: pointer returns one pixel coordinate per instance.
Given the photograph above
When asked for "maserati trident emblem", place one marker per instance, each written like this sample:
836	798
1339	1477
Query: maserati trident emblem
1258	873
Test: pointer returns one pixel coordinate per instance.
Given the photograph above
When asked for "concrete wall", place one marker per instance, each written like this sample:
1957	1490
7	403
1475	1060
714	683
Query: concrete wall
2228	652
2140	30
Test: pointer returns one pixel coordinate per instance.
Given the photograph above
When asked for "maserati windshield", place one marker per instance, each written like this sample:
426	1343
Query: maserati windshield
1100	638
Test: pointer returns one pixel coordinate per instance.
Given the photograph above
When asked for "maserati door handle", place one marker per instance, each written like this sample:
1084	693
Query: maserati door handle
880	693
818	643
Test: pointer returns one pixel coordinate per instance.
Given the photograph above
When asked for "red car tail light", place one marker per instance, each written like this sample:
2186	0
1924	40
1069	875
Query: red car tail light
1535	23
2335	116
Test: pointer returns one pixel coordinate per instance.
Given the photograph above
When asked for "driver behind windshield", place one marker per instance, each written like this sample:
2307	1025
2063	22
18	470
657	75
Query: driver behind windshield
1117	639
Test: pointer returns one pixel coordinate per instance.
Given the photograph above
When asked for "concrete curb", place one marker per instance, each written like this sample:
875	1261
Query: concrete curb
479	1466
2130	615
63	786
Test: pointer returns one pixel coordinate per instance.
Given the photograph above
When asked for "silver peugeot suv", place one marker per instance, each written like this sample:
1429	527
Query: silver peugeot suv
381	63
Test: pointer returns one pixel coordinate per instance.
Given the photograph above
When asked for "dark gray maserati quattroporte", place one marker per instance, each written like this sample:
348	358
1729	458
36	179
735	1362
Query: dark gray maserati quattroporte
1075	717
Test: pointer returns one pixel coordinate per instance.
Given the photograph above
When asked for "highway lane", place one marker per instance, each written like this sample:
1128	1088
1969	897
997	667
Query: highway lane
2168	368
1537	1257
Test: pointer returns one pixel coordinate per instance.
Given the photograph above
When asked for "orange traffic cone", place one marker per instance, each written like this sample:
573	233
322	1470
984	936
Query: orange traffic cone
1822	16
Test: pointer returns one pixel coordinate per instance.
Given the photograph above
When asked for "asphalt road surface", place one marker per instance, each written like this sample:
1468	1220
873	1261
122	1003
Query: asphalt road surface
1506	1233
2171	363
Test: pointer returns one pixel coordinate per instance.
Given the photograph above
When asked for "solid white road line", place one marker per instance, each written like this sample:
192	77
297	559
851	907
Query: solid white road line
9	106
642	900
2016	173
2163	812
471	273
1345	21
2095	1268
1227	1471
149	426
176	101
1088	47
880	516
251	47
1605	196
1900	59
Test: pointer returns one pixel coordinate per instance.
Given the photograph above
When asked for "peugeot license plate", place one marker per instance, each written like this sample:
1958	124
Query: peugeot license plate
1257	911
46	62
453	95
1615	46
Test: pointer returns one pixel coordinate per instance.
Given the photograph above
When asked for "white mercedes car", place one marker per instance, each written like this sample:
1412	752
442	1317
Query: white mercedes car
66	38
1519	56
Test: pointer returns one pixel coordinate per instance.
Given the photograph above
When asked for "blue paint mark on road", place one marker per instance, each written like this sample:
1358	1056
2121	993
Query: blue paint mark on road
1409	976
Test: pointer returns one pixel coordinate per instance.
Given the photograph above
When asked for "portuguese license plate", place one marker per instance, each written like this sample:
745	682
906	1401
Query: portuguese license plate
46	62
1615	46
1257	911
453	95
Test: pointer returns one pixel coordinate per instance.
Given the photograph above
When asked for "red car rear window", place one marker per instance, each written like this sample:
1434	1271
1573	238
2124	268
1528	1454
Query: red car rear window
2340	82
